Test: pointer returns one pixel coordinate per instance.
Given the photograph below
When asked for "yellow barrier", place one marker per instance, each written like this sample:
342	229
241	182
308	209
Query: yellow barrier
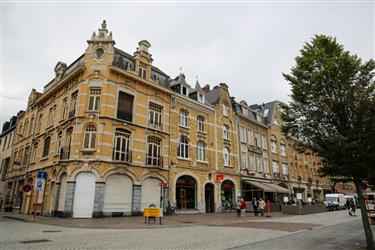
152	212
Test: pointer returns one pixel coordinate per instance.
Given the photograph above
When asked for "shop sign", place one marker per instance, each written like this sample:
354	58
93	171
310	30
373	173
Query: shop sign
227	186
219	177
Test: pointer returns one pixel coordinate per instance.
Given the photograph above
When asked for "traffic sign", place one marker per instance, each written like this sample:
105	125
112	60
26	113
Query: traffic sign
39	184
26	188
42	175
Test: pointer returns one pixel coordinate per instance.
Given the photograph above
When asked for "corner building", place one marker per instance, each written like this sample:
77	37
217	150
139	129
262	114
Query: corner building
101	130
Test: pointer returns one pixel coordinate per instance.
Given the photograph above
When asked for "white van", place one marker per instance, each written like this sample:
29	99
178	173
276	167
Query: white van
351	198
338	201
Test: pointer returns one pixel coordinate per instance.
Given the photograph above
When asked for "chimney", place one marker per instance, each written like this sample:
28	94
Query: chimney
206	88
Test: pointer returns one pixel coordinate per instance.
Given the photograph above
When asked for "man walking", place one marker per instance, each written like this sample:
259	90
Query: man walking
255	206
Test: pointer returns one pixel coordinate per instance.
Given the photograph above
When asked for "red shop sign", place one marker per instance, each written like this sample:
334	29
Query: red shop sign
219	177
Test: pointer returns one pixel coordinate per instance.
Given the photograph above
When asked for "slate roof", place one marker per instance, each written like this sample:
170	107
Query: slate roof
213	95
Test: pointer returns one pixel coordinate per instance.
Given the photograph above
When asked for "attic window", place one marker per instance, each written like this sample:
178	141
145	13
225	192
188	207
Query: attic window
259	118
265	113
184	90
200	97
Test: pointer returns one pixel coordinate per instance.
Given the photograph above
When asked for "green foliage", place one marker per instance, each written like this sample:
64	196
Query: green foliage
332	108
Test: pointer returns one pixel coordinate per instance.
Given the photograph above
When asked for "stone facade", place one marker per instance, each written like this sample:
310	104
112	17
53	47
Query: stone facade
116	122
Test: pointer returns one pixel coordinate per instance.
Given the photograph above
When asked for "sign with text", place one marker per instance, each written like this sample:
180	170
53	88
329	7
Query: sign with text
219	177
152	212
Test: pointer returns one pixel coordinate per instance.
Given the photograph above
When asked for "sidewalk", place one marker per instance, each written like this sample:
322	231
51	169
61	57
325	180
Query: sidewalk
138	222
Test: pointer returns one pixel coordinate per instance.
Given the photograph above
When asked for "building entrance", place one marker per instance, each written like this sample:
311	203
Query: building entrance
209	195
186	192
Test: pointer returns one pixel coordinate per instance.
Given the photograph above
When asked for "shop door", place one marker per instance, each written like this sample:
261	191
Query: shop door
84	193
209	198
118	194
62	195
150	193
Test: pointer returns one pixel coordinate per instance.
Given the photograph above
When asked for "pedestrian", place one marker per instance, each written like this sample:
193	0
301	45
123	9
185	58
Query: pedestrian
352	206
243	207
261	206
268	205
238	207
347	206
255	206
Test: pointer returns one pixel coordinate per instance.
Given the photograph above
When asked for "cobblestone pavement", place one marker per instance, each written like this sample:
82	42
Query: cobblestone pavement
241	234
137	222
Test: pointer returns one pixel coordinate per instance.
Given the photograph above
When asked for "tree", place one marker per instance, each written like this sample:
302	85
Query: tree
332	109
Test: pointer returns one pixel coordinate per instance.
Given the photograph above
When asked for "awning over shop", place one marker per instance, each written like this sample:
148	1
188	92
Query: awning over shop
278	188
261	185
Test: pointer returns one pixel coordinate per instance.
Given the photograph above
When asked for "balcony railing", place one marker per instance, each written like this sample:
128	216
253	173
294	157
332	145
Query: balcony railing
65	153
255	149
122	156
72	113
152	160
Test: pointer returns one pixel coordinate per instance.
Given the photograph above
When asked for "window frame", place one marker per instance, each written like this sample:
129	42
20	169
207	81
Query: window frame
200	123
89	138
184	118
183	148
94	99
226	160
201	151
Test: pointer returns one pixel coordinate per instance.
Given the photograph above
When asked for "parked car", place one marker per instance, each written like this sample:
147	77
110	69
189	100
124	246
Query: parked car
335	201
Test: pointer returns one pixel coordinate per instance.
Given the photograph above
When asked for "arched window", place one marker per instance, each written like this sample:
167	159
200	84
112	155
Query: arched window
226	132
200	123
90	137
226	156
47	143
184	118
201	151
121	146
154	151
183	148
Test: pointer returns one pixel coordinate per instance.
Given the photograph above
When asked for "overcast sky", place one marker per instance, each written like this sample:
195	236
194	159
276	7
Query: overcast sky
246	45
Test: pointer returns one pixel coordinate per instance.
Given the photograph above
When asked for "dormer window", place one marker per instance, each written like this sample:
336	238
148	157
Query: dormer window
225	110
259	118
200	98
142	72
184	90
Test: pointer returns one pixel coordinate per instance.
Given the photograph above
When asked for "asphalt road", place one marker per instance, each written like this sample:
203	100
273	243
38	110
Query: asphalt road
337	231
339	236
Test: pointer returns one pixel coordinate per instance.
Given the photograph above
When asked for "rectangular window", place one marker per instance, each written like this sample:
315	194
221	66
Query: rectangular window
26	156
243	160
25	129
265	165
284	169
250	136
257	139
275	167
155	114
39	123
5	142
252	162
125	106
264	142
200	123
50	117
142	72
31	126
64	108
33	153
73	104
225	110
94	99
259	164
242	134
200	98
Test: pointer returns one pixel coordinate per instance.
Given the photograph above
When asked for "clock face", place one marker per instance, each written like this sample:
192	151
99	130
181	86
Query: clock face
99	53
